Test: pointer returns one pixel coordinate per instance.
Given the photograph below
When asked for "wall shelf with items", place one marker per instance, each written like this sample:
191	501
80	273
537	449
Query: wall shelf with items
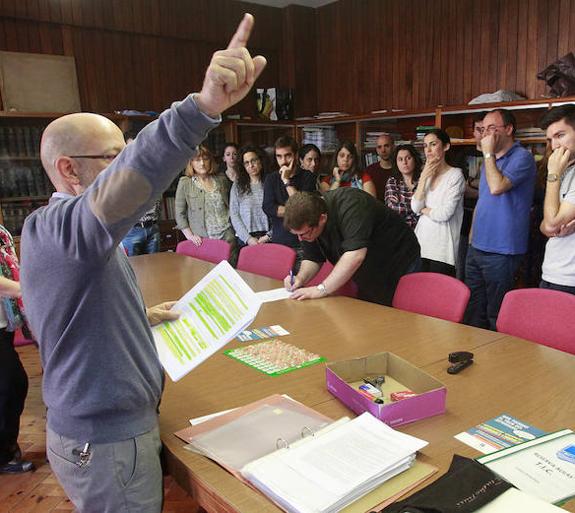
24	185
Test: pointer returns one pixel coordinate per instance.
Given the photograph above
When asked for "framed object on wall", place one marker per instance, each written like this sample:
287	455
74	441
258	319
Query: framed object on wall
31	82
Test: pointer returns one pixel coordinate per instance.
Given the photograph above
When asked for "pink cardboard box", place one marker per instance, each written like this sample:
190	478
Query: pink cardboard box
430	398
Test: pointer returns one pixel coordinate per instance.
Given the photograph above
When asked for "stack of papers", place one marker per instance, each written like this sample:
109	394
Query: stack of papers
304	461
326	472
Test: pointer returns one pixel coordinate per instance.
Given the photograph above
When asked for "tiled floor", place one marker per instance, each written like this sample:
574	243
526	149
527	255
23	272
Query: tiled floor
39	491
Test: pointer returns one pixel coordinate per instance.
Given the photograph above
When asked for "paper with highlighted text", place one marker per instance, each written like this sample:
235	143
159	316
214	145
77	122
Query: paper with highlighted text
212	313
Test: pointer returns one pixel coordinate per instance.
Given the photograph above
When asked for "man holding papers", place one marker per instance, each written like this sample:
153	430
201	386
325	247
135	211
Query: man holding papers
365	240
102	376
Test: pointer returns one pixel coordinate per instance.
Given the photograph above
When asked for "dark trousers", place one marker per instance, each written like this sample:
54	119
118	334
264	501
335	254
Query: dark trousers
555	286
13	390
434	266
489	276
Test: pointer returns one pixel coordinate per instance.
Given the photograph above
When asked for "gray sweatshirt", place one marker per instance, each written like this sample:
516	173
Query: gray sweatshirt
102	377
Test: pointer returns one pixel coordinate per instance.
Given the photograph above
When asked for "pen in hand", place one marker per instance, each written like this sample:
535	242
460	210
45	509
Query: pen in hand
291	280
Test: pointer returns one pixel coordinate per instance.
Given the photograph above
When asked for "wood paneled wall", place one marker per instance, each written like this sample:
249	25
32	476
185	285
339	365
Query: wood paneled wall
413	54
139	54
350	55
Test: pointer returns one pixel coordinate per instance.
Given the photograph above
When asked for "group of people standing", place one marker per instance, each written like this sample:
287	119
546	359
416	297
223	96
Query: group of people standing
102	379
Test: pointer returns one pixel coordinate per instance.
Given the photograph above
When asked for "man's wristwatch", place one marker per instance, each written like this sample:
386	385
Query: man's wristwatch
321	288
487	155
552	177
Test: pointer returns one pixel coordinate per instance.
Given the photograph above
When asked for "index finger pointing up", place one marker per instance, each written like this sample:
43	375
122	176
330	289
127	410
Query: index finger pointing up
240	38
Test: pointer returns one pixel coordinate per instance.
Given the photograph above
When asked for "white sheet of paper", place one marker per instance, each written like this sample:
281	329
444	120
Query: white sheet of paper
200	420
212	313
326	471
273	295
516	500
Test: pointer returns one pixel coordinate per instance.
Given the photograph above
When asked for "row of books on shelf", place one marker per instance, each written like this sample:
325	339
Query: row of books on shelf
24	181
20	141
14	215
324	137
370	140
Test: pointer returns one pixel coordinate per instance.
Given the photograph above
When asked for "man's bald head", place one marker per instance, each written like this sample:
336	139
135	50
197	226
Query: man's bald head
78	134
384	146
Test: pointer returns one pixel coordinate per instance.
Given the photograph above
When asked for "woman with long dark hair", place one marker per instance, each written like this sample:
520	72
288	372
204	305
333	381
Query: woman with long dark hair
347	171
250	222
230	160
438	200
400	186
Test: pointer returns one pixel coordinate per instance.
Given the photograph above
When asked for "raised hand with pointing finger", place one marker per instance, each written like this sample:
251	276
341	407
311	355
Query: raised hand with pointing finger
231	73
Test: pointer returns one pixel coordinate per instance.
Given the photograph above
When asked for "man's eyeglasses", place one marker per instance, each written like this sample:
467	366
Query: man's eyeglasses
479	129
109	158
494	128
251	162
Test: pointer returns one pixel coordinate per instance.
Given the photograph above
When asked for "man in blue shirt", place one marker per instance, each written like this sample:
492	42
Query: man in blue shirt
500	227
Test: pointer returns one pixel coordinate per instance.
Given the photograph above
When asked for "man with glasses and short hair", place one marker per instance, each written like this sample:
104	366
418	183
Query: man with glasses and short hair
365	240
102	376
500	229
381	171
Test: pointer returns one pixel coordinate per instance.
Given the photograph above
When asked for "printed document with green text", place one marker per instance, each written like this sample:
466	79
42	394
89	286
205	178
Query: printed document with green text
212	313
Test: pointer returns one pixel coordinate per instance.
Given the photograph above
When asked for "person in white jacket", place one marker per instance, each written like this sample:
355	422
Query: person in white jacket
438	200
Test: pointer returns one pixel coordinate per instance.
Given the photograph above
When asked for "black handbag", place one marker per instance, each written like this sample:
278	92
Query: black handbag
464	488
560	76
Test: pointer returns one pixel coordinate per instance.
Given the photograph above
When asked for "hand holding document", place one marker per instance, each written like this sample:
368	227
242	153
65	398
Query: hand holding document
211	314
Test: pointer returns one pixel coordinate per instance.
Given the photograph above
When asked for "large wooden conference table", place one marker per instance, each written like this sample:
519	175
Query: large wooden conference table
531	382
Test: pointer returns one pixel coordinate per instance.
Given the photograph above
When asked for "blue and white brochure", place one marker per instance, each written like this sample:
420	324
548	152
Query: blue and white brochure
498	433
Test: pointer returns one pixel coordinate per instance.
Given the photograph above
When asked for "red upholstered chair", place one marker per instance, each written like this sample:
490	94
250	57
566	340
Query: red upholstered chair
272	260
349	289
21	340
433	294
211	250
540	315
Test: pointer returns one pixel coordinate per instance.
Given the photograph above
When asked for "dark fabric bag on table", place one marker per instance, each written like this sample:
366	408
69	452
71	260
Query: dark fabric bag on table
464	488
560	76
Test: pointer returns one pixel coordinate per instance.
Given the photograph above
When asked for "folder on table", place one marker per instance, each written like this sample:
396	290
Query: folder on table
299	458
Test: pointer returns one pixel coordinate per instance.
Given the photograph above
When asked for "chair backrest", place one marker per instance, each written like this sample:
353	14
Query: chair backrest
272	260
21	340
433	294
211	250
349	289
540	315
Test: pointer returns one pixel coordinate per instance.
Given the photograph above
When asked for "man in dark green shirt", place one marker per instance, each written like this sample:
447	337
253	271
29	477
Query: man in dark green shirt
360	236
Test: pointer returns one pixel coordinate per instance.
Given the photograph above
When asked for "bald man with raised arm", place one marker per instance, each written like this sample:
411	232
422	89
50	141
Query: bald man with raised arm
102	376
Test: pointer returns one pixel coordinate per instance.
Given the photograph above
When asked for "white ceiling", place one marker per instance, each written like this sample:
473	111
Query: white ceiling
284	3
